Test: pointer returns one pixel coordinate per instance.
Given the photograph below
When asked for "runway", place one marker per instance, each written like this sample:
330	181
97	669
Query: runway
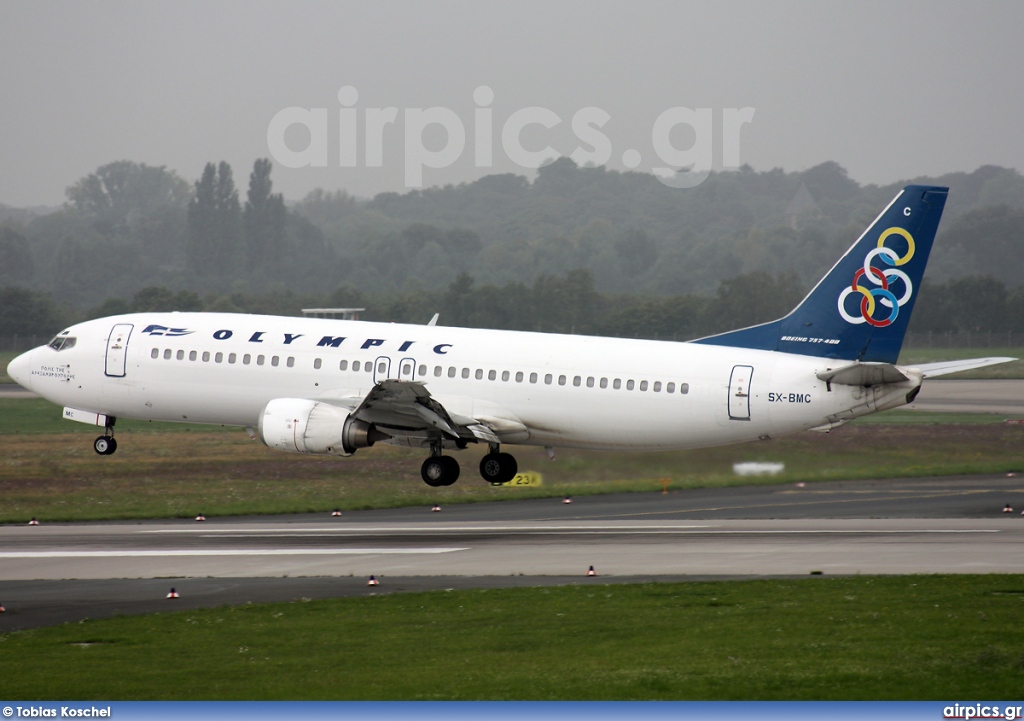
67	572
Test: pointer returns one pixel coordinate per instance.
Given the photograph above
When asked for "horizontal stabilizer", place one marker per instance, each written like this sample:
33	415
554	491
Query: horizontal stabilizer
930	370
863	374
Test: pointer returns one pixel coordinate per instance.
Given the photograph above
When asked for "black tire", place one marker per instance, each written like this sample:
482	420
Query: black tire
440	471
498	467
104	445
111	446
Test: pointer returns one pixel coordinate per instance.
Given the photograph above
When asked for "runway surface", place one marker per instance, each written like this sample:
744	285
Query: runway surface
67	572
971	396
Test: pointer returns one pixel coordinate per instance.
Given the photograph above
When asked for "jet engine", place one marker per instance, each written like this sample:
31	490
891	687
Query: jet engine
305	426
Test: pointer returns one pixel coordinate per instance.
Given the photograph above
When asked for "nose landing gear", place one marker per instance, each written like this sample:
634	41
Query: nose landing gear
105	444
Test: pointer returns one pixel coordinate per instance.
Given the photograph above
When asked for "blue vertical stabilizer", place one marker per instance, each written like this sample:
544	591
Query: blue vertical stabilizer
860	309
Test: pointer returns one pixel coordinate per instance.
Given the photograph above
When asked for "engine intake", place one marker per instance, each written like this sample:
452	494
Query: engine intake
305	426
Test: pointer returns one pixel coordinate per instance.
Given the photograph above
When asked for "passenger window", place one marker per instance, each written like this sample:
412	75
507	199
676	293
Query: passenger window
465	372
479	374
504	375
274	360
291	361
617	383
561	380
492	375
317	363
629	385
343	366
219	358
180	355
355	365
423	370
192	355
519	376
451	371
576	381
155	353
368	366
547	379
437	371
167	354
684	388
382	367
670	388
206	356
246	359
604	382
259	360
231	357
643	385
590	381
533	378
657	386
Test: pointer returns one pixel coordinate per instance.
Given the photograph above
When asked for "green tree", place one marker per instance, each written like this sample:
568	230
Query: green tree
140	204
16	264
214	221
264	222
28	313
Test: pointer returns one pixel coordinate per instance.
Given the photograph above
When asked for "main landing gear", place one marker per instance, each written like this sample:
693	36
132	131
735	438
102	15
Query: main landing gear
105	444
495	467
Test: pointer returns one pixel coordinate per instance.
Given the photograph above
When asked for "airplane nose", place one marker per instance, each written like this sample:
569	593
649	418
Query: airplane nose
20	370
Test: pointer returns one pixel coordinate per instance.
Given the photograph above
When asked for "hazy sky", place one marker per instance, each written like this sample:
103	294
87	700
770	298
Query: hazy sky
890	90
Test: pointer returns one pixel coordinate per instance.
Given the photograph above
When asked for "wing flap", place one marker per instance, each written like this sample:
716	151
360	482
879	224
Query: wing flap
405	409
863	374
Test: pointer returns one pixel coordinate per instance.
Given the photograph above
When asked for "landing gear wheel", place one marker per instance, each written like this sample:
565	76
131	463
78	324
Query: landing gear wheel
104	445
498	467
440	471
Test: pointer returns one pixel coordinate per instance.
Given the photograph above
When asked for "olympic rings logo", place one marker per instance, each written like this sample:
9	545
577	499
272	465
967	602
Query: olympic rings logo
879	282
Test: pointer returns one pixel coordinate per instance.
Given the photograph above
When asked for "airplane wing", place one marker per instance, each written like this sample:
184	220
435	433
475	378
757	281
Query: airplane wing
405	409
870	374
941	368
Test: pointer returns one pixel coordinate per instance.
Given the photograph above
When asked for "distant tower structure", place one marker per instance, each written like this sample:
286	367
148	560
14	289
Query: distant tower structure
336	313
800	204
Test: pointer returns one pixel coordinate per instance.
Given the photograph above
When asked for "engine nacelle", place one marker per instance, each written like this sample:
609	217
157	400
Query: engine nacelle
304	426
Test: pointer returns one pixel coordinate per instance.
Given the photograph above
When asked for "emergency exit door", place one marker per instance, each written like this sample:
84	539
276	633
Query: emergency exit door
739	393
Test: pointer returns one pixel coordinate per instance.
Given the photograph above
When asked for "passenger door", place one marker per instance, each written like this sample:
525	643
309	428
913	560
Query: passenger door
117	350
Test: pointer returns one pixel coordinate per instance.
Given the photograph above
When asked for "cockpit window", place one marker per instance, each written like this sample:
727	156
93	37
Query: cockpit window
62	342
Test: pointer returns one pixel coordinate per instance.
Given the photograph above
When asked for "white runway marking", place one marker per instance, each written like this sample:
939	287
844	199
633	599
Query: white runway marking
418	529
229	552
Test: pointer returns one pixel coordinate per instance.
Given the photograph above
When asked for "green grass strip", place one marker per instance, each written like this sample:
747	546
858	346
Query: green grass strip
884	638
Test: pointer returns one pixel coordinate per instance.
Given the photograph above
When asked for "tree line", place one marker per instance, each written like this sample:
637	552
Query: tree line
581	250
129	226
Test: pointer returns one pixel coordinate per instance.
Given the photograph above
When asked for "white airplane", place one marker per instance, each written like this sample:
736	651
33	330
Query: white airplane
334	387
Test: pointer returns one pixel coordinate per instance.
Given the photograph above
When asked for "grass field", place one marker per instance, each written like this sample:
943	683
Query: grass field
50	471
879	638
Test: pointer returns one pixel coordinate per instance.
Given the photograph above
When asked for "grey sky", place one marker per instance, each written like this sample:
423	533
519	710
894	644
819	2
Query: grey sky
890	90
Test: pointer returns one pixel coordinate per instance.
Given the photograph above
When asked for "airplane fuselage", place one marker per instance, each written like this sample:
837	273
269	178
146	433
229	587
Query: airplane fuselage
531	388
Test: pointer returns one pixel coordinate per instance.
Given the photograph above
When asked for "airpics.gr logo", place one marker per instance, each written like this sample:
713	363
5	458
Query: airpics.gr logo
880	283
